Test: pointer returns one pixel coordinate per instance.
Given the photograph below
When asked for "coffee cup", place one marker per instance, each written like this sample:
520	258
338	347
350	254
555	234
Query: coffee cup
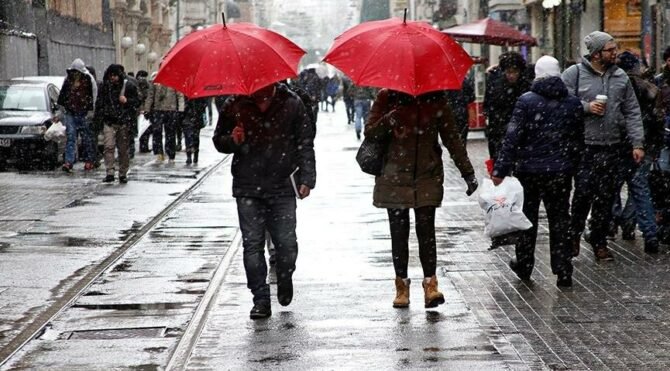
600	98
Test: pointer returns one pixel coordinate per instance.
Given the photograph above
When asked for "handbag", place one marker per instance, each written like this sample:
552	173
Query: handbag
370	156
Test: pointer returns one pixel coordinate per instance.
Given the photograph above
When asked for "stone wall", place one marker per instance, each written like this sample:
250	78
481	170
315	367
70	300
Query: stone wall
15	51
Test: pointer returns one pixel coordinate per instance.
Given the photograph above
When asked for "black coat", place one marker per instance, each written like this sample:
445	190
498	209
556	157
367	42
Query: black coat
499	101
276	142
545	134
108	108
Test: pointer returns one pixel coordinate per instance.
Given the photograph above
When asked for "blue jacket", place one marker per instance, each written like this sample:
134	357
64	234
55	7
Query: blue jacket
546	132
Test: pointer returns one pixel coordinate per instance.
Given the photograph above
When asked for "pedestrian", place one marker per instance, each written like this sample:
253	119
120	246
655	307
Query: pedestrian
348	98
117	108
194	121
612	124
458	100
413	176
639	208
332	91
542	147
505	84
271	138
363	97
144	85
310	82
163	106
134	126
77	99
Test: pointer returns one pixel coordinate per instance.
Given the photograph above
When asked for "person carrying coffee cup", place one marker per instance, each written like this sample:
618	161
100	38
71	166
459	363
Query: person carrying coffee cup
607	151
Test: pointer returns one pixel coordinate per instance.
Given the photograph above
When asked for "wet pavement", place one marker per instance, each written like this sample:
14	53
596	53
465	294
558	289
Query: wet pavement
177	298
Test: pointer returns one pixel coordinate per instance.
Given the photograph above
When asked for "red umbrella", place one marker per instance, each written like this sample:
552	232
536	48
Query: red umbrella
236	59
411	57
488	31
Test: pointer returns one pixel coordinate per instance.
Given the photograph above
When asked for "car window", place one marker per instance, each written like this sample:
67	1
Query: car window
22	98
53	95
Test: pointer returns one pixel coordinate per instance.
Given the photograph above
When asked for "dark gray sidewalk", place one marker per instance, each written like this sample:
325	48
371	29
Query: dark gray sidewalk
341	318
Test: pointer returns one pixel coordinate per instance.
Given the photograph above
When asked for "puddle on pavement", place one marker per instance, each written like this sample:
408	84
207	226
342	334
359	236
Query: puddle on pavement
125	233
191	292
117	333
4	246
145	306
281	357
77	242
147	367
193	280
94	293
122	267
77	203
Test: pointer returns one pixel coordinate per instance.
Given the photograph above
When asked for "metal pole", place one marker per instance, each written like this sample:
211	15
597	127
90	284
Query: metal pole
178	16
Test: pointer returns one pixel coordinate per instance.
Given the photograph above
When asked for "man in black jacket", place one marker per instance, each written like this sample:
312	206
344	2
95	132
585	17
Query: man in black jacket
271	136
117	108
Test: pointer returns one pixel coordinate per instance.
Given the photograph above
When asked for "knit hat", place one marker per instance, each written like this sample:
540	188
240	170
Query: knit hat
628	61
596	40
547	66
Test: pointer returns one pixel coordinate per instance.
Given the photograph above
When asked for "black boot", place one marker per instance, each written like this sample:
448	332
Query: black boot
260	310
188	158
522	274
195	157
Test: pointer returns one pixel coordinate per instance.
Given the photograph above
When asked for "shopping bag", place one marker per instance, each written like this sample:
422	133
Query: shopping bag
503	207
55	132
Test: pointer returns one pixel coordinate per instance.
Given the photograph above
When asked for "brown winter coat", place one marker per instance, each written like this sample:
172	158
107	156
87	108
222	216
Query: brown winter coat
413	172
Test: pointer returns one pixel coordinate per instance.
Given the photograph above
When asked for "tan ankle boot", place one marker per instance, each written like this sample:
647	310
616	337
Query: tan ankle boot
432	295
401	293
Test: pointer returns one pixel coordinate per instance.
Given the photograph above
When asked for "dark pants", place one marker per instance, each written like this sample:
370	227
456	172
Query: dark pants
192	137
349	106
425	233
165	121
596	183
554	191
146	135
277	215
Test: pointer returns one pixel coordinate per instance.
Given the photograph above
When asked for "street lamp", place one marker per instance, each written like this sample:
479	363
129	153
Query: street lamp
140	49
152	57
126	42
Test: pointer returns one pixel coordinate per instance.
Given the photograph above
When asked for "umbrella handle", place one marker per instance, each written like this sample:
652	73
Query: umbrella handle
404	18
223	18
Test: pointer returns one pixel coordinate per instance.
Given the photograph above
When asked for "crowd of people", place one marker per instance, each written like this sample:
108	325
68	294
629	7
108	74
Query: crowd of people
111	108
573	138
584	132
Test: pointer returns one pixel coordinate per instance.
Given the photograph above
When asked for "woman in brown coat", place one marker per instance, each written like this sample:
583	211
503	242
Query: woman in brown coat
413	175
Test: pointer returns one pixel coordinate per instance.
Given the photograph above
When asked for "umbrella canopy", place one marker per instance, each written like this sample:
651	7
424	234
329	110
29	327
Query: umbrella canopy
239	58
411	57
488	31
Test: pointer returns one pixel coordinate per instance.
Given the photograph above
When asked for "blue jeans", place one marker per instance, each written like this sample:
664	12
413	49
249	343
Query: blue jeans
639	203
361	110
76	124
277	215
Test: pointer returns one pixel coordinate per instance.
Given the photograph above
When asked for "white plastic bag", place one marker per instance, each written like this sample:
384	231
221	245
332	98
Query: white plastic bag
503	207
55	132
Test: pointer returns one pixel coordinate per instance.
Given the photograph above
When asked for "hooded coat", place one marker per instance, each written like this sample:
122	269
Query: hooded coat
545	134
413	172
109	109
622	117
64	98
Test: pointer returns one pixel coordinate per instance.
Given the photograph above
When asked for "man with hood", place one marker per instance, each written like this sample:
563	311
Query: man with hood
610	129
117	109
542	147
639	194
77	98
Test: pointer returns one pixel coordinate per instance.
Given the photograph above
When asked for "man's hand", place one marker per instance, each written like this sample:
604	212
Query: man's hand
238	135
597	108
471	181
123	99
303	191
496	180
638	155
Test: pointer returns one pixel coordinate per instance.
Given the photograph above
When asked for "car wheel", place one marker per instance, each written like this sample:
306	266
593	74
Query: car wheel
50	158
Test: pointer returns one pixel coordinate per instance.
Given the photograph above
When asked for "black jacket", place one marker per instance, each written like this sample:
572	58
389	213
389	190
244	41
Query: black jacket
499	101
276	142
108	109
546	132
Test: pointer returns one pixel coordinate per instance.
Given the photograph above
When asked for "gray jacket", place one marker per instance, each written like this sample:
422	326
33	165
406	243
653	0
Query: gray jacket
622	117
